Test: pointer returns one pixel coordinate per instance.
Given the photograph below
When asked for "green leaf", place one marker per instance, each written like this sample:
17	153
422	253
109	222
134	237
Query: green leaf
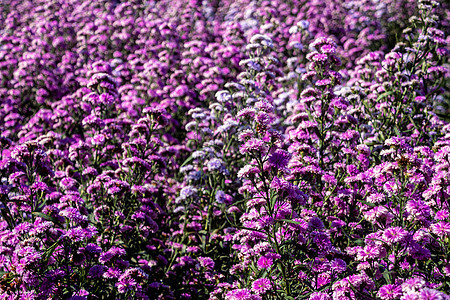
367	203
387	276
188	160
91	218
44	216
49	251
359	242
290	221
385	94
280	267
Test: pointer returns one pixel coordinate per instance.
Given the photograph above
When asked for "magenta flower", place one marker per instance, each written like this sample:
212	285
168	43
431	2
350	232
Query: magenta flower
263	118
239	294
369	252
323	82
126	284
206	262
98	140
247	112
264	262
394	235
338	265
389	291
261	286
441	229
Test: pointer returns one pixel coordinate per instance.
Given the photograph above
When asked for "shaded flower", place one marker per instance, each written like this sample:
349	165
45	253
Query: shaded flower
279	159
96	271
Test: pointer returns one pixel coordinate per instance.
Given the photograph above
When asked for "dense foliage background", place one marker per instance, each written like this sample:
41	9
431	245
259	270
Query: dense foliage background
224	149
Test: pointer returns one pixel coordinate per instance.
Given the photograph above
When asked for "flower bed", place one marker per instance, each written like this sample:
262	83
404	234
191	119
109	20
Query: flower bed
238	150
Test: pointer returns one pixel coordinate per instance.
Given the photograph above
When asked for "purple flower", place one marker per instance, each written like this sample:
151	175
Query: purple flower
413	284
338	265
222	197
442	214
187	192
264	262
303	24
106	256
319	57
263	118
319	296
77	234
389	291
252	144
112	272
279	184
441	229
98	140
430	294
223	96
73	214
329	179
245	134
125	285
180	91
420	253
39	186
239	294
214	164
93	248
68	183
247	170
96	271
394	235
206	262
375	198
315	223
279	159
247	112
31	295
261	286
369	252
328	49
417	210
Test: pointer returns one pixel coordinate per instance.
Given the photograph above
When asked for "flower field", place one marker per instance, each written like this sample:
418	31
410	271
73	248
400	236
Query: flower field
232	149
